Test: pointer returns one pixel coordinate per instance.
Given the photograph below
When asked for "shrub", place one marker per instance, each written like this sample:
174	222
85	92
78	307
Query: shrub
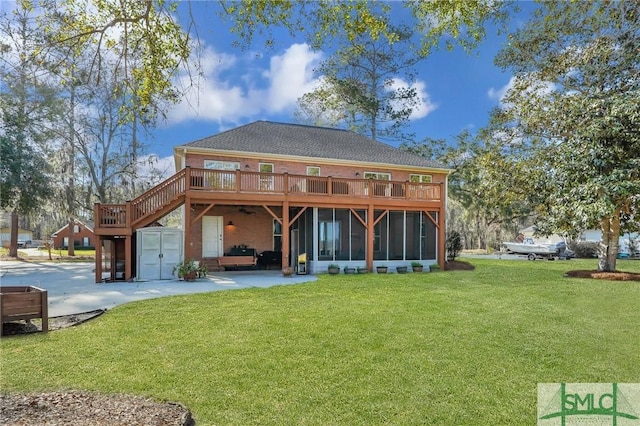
78	248
453	245
585	249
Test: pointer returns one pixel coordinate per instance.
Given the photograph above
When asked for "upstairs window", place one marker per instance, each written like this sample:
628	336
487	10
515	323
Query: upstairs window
266	182
221	165
421	178
224	177
377	175
313	171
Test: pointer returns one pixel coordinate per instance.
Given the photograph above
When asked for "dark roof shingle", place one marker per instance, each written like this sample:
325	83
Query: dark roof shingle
269	137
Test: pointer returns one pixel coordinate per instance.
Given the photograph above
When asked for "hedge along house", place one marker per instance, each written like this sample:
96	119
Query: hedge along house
285	189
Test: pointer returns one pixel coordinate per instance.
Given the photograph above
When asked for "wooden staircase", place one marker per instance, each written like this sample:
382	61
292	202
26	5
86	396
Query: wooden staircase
124	219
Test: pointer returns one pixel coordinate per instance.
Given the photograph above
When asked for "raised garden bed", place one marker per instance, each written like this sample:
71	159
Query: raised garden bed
24	303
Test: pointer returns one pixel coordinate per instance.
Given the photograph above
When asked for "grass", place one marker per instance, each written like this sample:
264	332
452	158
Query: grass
55	252
460	347
65	252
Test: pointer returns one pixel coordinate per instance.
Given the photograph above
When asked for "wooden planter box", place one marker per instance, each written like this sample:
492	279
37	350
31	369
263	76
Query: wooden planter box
24	303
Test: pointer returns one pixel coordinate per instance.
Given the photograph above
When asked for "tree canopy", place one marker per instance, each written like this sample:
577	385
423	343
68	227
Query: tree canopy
151	29
576	94
367	87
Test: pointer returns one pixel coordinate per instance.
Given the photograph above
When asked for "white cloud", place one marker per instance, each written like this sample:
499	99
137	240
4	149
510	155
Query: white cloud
499	94
154	168
525	84
233	88
291	76
425	106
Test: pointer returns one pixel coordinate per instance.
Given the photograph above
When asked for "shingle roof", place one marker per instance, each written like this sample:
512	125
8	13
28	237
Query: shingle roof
89	225
269	137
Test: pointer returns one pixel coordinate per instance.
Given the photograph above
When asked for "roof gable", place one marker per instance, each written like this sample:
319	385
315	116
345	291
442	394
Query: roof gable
267	137
88	226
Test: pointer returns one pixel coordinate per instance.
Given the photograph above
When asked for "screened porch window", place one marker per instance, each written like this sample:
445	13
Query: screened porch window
341	236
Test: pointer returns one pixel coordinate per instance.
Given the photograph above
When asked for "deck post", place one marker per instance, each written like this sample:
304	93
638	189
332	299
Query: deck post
285	182
286	233
127	215
370	225
442	237
128	257
187	228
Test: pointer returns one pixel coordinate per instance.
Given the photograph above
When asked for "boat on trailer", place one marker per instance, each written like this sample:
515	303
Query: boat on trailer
534	250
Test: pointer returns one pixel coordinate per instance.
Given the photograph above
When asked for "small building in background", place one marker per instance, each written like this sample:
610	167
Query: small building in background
23	235
83	236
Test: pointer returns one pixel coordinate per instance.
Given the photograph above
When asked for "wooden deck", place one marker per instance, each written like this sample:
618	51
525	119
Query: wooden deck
203	184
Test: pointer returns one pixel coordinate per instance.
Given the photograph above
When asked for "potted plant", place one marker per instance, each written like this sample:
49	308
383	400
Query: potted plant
333	269
434	267
401	269
362	270
381	269
201	271
417	266
349	270
187	270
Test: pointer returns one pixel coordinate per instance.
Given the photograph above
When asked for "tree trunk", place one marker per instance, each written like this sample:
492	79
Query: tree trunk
608	253
13	242
71	243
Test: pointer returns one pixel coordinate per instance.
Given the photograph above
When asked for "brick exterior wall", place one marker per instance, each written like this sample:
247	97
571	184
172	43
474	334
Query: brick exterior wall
253	230
58	240
256	230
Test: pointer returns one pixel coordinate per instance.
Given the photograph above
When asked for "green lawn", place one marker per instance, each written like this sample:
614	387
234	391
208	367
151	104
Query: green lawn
443	348
65	252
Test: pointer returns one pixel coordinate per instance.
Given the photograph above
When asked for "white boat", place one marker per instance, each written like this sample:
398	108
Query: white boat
534	250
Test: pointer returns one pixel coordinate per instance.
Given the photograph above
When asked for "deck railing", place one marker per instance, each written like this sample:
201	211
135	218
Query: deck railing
159	196
195	179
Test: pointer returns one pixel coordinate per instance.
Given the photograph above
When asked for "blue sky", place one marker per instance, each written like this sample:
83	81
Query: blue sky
240	86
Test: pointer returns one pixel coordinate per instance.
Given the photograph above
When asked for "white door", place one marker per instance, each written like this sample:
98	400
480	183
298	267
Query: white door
171	252
149	256
212	236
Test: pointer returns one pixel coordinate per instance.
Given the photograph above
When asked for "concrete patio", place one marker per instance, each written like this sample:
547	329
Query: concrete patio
71	287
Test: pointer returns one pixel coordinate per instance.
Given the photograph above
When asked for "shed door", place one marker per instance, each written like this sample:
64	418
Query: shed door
212	236
150	250
159	250
171	243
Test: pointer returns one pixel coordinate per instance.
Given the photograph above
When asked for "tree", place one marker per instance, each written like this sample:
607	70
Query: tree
119	33
97	135
324	22
27	107
368	86
489	181
115	28
576	89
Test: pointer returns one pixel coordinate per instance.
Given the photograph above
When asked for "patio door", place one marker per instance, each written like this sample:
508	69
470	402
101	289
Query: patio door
212	233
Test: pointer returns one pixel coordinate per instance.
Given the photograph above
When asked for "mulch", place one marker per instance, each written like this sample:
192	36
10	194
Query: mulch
458	265
599	275
55	323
